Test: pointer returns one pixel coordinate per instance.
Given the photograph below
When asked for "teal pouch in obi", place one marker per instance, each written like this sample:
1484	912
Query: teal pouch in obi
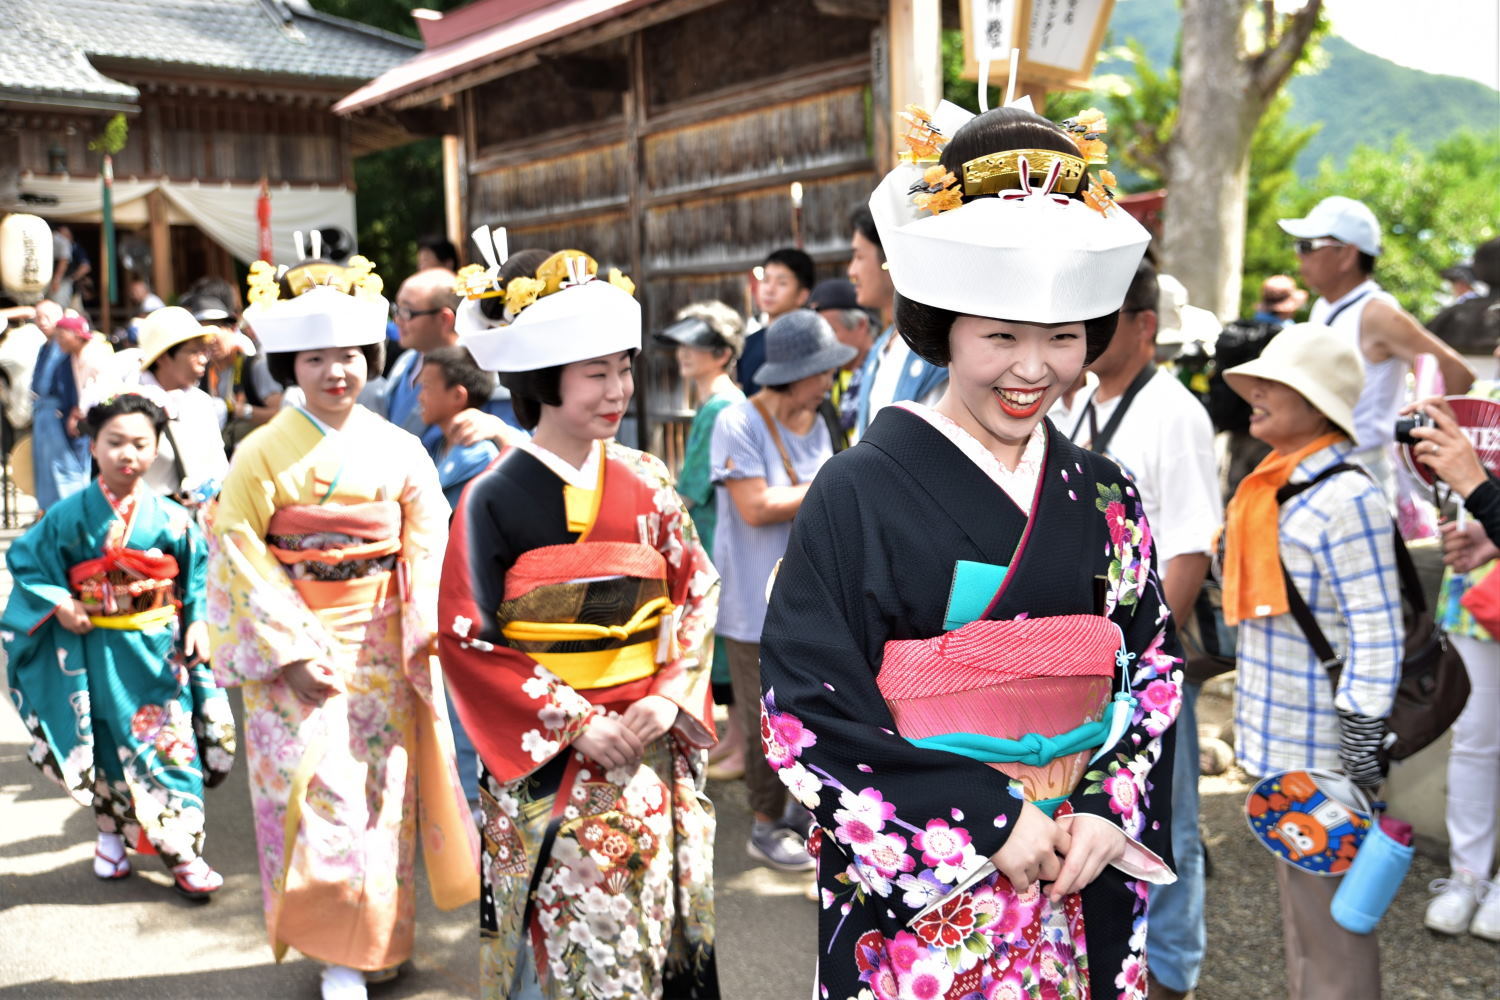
975	585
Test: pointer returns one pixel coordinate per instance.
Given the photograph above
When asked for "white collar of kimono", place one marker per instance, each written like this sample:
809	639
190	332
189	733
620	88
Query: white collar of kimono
1019	483
326	428
585	477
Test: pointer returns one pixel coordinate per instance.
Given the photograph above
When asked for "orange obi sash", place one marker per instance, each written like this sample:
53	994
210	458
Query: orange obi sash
596	614
126	588
338	554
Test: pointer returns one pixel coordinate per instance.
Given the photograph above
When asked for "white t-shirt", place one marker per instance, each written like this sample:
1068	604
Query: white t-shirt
1165	443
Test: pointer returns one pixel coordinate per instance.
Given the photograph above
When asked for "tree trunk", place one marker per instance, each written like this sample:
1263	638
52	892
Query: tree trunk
1208	160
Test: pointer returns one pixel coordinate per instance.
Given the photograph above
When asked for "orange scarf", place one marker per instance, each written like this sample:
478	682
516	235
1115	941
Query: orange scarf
1252	580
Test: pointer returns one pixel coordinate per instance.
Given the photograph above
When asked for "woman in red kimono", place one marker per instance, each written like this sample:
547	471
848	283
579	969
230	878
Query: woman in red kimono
575	612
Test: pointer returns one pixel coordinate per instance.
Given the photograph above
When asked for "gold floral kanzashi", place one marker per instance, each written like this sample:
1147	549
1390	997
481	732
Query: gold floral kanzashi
521	292
264	288
924	143
937	192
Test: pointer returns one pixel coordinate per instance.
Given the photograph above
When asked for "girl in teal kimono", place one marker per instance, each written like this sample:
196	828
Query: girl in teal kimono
107	651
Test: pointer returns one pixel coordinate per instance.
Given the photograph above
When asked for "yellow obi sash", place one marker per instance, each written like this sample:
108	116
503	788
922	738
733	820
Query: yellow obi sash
596	614
138	621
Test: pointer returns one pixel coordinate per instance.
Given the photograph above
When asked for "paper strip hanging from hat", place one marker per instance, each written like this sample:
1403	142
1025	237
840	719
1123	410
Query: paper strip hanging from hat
332	305
565	314
1030	254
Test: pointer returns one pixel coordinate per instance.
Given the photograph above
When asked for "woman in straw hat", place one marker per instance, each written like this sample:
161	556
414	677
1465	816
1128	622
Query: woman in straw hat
574	618
1335	537
322	584
191	463
967	671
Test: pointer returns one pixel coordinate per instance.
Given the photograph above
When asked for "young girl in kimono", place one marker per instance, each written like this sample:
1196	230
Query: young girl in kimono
966	664
574	624
320	599
107	655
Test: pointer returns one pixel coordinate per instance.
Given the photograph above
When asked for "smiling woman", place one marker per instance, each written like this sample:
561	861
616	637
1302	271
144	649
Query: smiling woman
966	671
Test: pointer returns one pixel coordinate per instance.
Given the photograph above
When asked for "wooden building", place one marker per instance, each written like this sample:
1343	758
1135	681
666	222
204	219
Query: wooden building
662	136
219	95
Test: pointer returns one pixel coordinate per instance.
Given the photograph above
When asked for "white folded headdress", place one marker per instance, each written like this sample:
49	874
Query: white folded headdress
332	306
565	314
1028	254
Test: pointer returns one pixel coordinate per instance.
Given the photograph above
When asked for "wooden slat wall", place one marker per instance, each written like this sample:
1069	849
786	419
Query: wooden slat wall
686	188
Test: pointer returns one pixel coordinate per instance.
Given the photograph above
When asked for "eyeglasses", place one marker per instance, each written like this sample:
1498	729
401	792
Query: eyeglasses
1305	247
405	314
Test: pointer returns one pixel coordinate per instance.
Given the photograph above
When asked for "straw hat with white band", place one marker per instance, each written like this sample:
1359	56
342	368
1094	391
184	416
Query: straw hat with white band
1319	363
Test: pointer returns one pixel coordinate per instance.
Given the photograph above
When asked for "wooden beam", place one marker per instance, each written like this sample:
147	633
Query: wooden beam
161	244
713	189
863	10
453	170
764	94
914	63
546	146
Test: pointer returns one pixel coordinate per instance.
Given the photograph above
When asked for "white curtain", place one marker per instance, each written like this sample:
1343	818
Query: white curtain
225	212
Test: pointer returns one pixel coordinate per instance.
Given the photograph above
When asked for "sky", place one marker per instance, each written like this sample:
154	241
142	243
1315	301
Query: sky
1453	37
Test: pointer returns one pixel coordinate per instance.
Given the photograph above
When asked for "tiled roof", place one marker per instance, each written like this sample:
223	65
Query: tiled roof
45	49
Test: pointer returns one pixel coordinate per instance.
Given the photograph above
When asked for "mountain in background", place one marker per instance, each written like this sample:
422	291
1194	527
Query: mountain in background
1357	97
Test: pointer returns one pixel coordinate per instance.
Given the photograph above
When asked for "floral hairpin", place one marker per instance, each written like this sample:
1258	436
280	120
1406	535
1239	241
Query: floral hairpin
1087	129
924	143
264	284
938	191
564	269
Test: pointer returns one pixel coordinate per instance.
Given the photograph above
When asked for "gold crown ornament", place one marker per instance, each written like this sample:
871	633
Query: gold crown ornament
996	172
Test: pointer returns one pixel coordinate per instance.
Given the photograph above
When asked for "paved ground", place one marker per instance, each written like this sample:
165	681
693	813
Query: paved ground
63	933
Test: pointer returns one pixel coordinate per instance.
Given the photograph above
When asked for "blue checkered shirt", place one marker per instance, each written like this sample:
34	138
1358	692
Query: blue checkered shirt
1336	541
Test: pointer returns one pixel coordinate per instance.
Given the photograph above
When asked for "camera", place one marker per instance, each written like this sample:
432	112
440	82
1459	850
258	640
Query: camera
1406	425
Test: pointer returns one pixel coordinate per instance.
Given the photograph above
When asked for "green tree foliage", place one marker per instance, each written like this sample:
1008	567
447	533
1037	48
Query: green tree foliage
1434	208
398	195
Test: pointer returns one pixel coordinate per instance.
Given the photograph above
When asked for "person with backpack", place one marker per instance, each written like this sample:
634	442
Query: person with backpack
1337	546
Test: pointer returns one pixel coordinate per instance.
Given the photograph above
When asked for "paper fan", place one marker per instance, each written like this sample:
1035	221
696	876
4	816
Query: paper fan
1305	818
1480	420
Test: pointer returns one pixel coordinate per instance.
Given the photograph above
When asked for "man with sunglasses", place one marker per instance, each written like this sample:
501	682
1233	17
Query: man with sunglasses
1337	244
424	309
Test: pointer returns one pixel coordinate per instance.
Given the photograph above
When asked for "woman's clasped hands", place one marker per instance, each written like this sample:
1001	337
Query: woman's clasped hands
1069	852
621	740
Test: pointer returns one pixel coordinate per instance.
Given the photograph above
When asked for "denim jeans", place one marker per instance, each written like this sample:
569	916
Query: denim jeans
465	756
1175	937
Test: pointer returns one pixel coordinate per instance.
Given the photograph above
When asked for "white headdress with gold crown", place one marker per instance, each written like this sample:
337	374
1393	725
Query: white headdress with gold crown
331	305
1030	253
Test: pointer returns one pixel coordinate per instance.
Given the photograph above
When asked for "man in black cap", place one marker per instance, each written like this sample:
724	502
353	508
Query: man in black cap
836	300
237	373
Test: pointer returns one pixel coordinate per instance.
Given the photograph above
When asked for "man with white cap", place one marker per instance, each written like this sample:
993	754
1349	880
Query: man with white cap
1337	243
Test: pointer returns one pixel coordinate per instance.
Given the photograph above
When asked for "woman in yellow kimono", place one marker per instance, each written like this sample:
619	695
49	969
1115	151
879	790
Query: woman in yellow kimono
321	597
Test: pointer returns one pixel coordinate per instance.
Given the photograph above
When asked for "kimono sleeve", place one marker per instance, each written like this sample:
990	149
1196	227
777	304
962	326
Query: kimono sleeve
424	535
257	621
694	587
517	712
38	568
191	552
907	822
1129	784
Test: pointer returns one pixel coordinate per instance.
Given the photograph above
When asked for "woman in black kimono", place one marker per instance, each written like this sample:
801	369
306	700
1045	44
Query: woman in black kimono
968	672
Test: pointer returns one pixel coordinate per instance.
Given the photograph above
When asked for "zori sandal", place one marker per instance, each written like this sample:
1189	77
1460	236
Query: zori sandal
110	862
195	880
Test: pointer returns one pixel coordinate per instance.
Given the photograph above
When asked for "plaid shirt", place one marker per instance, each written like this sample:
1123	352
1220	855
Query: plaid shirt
1336	541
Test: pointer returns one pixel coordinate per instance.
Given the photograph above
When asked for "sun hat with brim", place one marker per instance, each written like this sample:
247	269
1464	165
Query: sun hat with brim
800	344
1345	219
164	329
1318	363
207	308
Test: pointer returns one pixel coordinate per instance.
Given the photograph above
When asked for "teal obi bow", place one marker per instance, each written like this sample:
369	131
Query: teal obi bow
1034	749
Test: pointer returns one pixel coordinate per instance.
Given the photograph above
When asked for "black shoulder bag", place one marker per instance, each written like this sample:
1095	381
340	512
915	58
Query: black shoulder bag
1434	684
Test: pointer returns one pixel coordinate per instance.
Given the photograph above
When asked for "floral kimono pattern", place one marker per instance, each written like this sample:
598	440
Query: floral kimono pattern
901	827
339	789
604	875
116	715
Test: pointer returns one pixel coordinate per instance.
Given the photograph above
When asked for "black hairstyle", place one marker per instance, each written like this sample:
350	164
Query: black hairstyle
862	222
1487	264
521	264
1144	292
796	261
283	364
530	391
120	405
211	287
459	369
442	248
1366	263
926	328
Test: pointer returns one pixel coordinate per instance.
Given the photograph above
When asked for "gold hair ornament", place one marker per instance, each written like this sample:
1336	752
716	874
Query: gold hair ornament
996	172
564	269
937	192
